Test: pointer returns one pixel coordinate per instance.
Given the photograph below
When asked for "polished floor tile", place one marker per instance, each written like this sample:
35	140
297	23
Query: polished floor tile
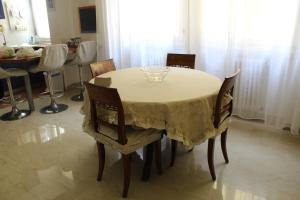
48	157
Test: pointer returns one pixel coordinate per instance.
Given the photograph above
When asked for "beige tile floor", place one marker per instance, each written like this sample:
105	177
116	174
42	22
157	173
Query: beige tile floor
48	157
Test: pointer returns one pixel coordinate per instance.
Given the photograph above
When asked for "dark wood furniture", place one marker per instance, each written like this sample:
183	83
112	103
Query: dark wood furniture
223	110
181	60
102	67
109	99
16	60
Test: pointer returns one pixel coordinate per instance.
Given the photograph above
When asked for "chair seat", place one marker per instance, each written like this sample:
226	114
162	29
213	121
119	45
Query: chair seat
12	72
37	69
136	138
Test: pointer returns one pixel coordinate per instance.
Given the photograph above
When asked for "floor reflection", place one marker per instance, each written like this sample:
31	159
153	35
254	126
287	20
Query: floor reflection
42	134
48	157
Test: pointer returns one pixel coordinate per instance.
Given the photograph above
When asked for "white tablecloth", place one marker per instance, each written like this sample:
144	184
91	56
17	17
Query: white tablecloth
182	104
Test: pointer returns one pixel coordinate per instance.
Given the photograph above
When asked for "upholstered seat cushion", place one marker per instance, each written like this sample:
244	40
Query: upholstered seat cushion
136	138
226	99
52	59
12	72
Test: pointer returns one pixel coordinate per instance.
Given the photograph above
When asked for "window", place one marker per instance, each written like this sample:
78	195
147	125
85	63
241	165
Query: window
40	18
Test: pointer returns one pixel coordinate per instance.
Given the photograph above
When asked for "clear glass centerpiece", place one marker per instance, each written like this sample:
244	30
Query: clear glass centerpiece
155	73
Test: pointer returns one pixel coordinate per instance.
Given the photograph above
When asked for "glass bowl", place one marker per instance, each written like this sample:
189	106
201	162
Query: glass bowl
155	73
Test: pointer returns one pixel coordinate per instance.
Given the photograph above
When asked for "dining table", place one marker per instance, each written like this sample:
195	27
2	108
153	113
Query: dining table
182	104
23	63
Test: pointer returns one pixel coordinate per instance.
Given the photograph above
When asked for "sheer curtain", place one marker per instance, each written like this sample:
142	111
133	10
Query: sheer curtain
259	36
137	34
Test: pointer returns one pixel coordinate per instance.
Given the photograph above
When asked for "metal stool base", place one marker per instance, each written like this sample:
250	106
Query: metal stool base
54	108
15	114
78	97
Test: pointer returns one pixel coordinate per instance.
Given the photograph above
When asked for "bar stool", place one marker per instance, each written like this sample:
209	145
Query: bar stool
15	112
86	54
51	63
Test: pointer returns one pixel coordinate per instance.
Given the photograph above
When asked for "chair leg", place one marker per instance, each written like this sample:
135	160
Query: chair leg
210	157
126	165
148	162
101	155
158	156
224	146
173	152
79	97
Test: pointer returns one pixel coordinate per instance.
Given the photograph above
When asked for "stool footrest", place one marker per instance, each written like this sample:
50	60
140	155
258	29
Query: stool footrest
18	99
57	94
77	86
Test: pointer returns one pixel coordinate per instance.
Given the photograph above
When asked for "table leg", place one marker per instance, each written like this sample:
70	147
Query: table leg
29	92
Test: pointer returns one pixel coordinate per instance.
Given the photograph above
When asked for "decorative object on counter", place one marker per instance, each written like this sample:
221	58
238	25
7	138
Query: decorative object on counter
73	42
7	52
28	52
25	52
15	17
32	40
2	15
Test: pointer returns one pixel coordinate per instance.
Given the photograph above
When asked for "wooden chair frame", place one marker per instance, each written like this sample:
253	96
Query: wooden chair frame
110	99
221	112
181	60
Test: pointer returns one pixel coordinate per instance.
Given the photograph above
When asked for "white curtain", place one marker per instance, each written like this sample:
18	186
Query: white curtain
259	36
137	34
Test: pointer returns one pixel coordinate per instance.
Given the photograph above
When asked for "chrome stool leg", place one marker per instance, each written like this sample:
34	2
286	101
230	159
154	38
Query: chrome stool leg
79	97
15	113
53	107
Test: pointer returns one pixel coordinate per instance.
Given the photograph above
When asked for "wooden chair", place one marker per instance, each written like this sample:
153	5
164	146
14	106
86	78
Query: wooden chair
185	61
181	60
223	110
124	139
102	67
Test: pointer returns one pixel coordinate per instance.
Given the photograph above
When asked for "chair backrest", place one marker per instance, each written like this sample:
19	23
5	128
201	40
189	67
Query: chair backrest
87	52
224	110
181	60
53	57
102	67
108	99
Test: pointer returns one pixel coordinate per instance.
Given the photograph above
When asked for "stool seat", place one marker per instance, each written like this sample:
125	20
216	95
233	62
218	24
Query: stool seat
12	72
52	61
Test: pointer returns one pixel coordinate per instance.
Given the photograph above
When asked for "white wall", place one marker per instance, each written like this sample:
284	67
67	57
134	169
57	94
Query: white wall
64	20
64	24
76	5
18	37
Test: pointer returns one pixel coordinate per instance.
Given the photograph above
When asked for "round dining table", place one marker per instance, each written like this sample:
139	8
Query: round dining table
182	104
